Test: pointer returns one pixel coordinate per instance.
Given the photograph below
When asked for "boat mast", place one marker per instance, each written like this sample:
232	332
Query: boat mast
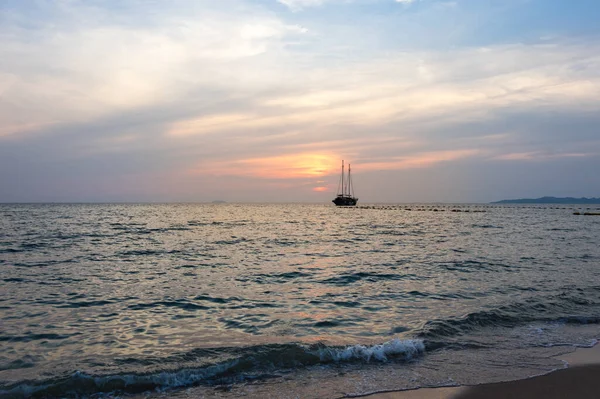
350	189
343	178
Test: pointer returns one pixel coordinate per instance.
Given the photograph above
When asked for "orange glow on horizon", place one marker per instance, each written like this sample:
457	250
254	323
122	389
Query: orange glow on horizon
295	166
320	189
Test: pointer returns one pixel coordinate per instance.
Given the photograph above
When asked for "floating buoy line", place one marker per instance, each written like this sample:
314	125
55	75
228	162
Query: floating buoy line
467	208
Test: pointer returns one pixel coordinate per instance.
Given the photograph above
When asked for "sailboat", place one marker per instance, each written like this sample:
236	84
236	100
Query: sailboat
345	196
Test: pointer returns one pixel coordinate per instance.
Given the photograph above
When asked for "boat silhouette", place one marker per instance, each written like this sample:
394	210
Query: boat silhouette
345	196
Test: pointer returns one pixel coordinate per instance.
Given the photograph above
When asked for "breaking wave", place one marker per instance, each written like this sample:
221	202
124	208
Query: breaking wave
251	363
575	306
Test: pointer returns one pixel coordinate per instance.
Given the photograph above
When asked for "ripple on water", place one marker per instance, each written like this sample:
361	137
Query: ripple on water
164	279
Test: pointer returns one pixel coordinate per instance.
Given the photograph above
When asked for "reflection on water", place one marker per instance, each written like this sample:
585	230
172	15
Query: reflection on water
126	288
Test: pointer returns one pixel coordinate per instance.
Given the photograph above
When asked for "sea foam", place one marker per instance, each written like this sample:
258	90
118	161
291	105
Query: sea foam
396	347
257	361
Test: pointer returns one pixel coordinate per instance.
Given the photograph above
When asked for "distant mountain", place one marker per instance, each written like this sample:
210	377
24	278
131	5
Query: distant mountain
550	200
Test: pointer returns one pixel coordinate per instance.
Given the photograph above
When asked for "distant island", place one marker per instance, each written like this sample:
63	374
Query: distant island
551	200
219	202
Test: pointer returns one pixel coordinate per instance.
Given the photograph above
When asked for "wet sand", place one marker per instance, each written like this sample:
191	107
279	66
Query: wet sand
580	380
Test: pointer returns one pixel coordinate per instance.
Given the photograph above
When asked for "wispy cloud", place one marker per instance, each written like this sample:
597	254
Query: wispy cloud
296	5
88	69
421	160
539	156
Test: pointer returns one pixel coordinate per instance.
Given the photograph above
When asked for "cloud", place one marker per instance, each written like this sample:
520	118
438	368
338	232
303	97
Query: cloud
420	160
242	92
90	77
538	156
396	92
89	69
296	5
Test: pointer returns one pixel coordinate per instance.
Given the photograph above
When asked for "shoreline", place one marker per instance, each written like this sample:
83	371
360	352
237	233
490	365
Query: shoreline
579	379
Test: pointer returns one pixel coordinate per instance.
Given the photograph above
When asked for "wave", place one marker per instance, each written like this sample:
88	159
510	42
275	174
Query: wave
396	347
274	278
35	337
568	307
10	250
473	266
181	304
16	280
247	364
345	279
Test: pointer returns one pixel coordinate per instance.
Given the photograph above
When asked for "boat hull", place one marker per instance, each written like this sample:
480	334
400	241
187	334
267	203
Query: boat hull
345	201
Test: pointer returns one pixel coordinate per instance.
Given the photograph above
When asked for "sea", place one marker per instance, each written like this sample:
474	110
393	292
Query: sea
289	300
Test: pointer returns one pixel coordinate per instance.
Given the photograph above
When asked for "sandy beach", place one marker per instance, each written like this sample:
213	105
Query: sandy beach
579	380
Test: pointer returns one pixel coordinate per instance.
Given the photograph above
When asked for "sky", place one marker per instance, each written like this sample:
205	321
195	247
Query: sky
260	100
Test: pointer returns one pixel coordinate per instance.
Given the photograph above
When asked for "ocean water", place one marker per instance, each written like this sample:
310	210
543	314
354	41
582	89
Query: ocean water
289	300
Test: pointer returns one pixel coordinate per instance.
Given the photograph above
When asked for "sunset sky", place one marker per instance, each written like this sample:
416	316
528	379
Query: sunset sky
260	100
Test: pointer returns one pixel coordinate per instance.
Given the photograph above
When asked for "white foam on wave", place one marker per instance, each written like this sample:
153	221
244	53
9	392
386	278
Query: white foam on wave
396	347
79	382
